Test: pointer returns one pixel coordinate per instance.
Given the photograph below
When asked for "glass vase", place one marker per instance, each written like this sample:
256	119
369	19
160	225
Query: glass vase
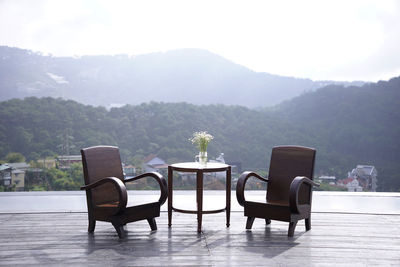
201	158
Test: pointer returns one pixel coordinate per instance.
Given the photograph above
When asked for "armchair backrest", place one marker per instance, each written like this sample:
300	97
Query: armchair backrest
100	162
288	162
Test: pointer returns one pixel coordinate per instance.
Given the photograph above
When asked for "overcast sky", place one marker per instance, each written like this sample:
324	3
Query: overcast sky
335	40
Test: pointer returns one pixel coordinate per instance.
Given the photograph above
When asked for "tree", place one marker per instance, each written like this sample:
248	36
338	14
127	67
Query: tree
13	157
34	156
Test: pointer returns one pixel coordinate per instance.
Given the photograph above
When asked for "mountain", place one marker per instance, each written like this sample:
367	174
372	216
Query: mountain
347	126
188	75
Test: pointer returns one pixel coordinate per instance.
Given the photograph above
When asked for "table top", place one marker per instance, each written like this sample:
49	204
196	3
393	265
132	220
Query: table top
195	166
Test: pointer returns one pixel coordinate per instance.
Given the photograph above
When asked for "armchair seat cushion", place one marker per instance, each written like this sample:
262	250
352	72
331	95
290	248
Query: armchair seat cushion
105	210
107	205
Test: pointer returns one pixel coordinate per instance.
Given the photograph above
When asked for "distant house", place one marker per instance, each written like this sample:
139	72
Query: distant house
47	163
18	179
152	163
64	161
14	174
351	184
129	170
5	175
19	166
366	175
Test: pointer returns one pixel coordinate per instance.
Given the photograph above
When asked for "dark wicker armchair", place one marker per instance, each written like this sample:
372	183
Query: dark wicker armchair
289	188
106	192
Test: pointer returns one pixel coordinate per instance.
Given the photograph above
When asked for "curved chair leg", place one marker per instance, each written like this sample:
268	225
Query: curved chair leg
120	230
267	221
308	223
249	222
292	226
152	223
92	225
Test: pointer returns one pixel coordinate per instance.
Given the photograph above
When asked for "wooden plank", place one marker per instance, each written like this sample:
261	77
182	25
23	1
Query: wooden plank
335	239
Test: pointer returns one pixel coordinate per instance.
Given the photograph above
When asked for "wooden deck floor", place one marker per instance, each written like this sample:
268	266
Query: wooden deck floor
335	239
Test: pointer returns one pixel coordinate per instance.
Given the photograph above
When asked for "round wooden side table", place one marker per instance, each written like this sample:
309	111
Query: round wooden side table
199	170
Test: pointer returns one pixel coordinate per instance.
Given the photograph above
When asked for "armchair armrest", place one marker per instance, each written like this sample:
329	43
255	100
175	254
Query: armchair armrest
161	181
119	185
294	191
242	183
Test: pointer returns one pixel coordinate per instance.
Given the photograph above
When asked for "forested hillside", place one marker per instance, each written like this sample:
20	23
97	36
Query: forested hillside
347	126
353	124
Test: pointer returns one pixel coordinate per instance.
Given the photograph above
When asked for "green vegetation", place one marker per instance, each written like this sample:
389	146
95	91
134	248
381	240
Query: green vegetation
328	187
347	126
13	157
54	179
